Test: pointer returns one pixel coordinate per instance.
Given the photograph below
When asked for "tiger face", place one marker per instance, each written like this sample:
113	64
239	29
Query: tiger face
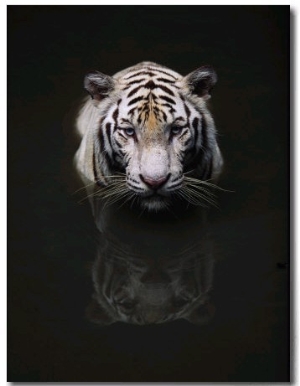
151	133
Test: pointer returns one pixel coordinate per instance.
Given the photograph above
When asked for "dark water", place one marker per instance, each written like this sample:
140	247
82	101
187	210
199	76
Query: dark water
217	282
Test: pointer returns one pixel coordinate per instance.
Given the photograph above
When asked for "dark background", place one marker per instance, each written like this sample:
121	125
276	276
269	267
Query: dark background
50	48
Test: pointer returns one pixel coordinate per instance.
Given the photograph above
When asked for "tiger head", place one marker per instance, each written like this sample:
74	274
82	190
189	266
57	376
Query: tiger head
147	134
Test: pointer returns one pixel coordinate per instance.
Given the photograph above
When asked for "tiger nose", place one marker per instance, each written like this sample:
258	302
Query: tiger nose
155	183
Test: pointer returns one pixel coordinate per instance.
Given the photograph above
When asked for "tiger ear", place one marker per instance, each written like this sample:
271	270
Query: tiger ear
201	315
96	314
201	81
98	85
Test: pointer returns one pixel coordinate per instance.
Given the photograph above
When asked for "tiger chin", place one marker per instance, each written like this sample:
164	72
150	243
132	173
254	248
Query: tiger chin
148	138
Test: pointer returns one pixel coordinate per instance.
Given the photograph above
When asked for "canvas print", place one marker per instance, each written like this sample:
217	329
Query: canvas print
148	205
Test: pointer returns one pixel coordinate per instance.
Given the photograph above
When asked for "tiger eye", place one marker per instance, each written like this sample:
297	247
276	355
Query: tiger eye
129	131
175	130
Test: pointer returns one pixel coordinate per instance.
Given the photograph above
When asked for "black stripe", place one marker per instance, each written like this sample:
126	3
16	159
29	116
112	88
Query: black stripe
101	140
133	91
165	80
95	169
187	141
165	89
125	121
134	100
133	180
133	82
209	173
183	134
172	110
103	149
158	112
115	115
131	111
150	85
135	187
94	156
143	72
122	135
108	161
164	115
165	72
175	185
204	133
108	133
177	178
118	143
186	109
195	125
167	99
141	108
136	81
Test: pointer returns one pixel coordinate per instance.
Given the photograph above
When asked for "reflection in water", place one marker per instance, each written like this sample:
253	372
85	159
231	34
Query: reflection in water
151	268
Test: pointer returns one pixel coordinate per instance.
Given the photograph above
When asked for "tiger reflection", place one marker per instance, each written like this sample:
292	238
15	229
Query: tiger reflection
151	270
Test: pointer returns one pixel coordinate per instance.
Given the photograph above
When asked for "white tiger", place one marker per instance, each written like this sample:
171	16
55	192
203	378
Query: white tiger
148	136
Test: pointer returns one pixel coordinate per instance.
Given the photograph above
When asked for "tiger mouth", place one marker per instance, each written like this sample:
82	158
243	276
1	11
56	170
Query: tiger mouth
155	201
156	195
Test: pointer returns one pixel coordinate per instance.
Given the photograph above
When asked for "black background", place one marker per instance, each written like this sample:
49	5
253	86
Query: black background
50	48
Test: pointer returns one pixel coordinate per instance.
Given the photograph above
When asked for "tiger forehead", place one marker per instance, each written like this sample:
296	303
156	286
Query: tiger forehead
150	83
151	115
151	101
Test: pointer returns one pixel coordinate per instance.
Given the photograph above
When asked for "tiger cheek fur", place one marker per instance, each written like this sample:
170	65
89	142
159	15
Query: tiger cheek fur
151	125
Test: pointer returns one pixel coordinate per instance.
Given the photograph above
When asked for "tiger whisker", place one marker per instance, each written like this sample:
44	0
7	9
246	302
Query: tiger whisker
193	198
115	187
196	195
186	197
196	190
88	196
189	172
201	189
117	198
130	195
119	177
112	190
83	187
202	182
136	199
116	176
114	197
116	192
